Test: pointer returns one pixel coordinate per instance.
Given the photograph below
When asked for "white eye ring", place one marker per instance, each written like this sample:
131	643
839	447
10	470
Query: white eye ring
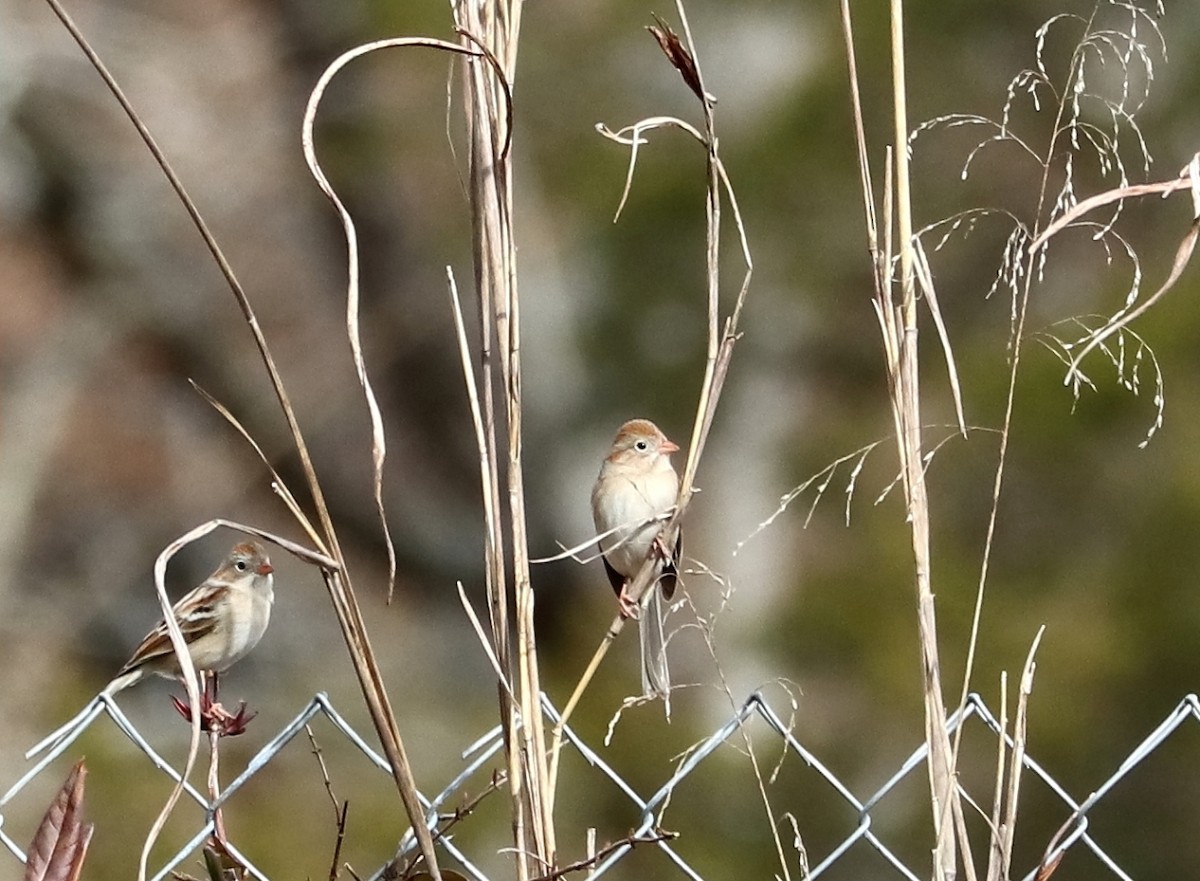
641	445
240	565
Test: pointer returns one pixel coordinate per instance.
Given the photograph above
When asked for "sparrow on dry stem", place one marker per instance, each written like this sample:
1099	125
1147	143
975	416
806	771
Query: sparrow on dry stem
636	487
222	620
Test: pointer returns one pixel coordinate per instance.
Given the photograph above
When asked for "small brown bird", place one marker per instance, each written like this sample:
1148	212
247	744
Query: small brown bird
222	620
636	486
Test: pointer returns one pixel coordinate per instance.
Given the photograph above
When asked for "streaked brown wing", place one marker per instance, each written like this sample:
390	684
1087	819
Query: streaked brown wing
198	620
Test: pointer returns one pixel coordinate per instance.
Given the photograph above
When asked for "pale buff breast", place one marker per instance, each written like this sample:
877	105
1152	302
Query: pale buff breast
241	631
620	500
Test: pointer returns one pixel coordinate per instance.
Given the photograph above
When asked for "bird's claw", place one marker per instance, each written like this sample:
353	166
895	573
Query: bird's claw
627	604
214	717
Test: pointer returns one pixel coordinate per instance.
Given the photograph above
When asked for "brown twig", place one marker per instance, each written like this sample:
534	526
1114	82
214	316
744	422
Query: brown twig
339	813
630	842
446	823
341	837
320	757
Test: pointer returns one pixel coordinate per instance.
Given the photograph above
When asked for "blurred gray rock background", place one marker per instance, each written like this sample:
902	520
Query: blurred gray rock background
110	304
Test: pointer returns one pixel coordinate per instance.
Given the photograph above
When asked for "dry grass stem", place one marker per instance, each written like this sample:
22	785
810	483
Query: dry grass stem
721	337
1022	265
761	781
491	509
485	641
925	277
1020	722
277	484
996	848
899	332
214	781
1025	254
340	589
492	30
907	402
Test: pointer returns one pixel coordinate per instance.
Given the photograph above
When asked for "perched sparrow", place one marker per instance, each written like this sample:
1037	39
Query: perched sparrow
636	485
221	620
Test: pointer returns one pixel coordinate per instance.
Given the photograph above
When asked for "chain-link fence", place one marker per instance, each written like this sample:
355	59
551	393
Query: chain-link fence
479	754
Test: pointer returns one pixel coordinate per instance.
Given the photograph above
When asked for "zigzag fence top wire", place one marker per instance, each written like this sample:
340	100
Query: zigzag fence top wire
646	808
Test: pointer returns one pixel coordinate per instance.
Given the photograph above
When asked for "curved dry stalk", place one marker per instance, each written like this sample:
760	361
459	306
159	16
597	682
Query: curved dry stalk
353	332
1189	176
635	139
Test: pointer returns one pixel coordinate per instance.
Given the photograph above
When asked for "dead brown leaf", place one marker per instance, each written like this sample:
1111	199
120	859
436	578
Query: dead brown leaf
61	841
681	59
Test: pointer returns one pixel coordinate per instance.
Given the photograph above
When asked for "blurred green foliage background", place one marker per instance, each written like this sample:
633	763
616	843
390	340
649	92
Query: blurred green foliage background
111	305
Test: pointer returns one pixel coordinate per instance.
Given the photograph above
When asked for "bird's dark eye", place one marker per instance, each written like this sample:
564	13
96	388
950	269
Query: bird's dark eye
642	445
241	565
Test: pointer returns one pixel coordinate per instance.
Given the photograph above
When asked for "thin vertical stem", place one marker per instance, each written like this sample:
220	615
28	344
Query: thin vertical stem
494	27
907	399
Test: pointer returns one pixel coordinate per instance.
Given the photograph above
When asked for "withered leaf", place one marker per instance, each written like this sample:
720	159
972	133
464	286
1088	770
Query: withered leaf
680	58
61	840
220	864
1046	869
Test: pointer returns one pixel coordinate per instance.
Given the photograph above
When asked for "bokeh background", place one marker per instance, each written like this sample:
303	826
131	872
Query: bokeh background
110	305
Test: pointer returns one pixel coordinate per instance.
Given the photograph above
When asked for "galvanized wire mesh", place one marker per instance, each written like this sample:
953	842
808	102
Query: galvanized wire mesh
486	748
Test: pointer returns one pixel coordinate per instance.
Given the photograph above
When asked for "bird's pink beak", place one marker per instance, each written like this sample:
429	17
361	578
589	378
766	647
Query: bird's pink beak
668	446
264	568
